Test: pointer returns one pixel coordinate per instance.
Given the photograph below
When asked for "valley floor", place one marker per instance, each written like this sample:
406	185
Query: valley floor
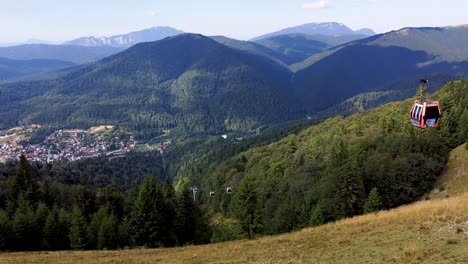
434	231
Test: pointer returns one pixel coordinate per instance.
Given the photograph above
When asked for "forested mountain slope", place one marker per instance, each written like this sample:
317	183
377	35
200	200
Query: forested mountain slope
11	69
295	48
327	171
365	65
189	82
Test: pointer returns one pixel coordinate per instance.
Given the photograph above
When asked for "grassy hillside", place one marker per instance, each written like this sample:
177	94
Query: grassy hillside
454	179
433	231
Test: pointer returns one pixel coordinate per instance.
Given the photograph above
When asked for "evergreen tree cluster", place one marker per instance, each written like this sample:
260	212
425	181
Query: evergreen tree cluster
47	215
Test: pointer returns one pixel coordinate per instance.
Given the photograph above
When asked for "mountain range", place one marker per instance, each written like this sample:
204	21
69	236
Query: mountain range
126	40
328	28
192	83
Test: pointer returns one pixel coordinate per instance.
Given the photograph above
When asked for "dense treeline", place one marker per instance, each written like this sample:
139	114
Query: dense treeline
339	168
47	215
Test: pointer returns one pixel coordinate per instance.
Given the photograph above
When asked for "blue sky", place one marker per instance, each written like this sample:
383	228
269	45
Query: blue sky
60	20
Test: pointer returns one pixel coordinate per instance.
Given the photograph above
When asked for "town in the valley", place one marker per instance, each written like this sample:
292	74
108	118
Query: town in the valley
67	145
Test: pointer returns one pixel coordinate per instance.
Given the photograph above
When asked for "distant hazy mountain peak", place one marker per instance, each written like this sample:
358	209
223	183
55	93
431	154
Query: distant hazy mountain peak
325	28
365	31
126	40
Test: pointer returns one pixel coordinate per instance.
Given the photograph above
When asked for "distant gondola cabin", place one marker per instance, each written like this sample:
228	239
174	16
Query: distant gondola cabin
425	114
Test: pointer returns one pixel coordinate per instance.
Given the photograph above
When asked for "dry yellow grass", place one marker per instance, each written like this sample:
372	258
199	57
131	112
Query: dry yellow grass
434	231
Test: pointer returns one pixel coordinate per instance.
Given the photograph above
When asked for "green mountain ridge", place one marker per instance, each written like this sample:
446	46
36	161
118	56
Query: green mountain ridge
364	65
442	43
189	82
295	48
14	69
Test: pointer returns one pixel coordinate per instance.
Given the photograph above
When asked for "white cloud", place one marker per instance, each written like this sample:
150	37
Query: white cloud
375	1
320	4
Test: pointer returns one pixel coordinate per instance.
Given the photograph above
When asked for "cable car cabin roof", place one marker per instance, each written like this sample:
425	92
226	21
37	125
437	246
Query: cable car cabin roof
428	103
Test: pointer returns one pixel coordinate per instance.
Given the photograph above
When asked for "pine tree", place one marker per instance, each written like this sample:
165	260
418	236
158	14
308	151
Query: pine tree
186	218
95	225
115	200
41	216
316	216
168	210
47	192
24	183
26	230
78	235
84	199
247	208
64	224
51	231
6	231
203	231
108	235
146	218
350	195
373	203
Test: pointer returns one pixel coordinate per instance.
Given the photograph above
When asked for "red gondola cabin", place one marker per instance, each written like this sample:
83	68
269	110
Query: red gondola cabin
425	114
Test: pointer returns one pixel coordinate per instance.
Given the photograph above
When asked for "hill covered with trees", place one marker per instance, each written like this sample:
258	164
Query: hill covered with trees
339	168
11	69
188	82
